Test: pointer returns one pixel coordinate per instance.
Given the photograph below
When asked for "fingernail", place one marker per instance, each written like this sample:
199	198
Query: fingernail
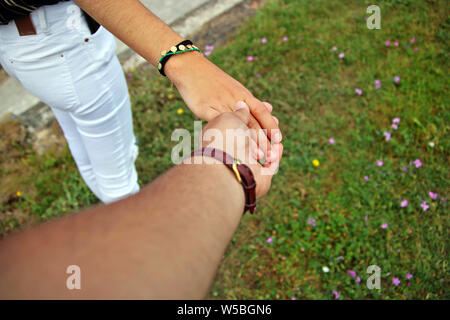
260	154
276	137
276	120
240	105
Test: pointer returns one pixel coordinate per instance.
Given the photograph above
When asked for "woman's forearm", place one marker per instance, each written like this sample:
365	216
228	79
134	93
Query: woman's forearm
134	24
165	242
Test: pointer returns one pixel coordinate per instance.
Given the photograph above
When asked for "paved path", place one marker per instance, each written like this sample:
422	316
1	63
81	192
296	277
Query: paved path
16	100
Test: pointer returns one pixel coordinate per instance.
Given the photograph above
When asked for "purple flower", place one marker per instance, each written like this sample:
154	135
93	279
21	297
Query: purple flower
358	280
387	43
358	91
340	258
415	49
250	58
341	55
433	195
417	163
379	163
413	40
334	48
312	221
366	217
269	240
405	169
395	281
366	178
285	39
331	141
336	294
396	79
396	120
209	48
404	203
385	225
352	273
207	53
424	206
293	298
409	276
377	84
263	40
394	126
387	135
396	43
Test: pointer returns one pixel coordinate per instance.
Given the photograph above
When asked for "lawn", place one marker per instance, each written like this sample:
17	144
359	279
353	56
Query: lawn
371	106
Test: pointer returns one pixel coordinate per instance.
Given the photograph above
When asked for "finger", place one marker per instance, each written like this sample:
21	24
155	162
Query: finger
276	120
280	151
268	106
256	153
242	111
272	167
264	118
266	172
258	135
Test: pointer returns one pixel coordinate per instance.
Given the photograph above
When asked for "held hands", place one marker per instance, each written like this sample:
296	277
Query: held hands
230	133
208	92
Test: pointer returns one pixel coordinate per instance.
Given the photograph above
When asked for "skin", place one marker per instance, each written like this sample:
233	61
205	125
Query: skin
165	242
206	89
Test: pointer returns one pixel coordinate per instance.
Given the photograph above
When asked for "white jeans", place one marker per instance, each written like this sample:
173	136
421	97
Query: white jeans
78	75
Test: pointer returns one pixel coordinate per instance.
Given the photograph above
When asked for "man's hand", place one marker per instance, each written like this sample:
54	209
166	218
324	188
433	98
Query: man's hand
229	132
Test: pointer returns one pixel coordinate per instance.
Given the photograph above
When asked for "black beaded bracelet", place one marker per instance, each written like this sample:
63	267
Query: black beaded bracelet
183	46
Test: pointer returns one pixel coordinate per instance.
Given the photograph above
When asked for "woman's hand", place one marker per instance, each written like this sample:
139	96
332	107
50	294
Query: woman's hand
208	91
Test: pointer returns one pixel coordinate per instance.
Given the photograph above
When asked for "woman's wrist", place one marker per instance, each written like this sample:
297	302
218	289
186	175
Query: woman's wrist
180	64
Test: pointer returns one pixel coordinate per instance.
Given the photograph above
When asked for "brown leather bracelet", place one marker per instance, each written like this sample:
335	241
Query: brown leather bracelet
242	172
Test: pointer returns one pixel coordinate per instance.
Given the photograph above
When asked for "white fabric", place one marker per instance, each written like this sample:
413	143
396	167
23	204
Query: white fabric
78	75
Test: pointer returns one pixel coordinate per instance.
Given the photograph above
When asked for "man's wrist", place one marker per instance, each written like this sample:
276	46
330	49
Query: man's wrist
220	174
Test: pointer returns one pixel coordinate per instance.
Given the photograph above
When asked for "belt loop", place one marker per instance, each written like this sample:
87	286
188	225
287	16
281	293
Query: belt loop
42	19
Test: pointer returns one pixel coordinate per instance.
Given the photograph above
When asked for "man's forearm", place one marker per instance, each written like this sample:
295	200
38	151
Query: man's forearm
165	242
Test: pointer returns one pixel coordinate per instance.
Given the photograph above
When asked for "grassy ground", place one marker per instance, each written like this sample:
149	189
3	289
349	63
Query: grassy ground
321	226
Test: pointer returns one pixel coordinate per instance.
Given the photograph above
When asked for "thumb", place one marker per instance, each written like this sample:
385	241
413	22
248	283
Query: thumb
242	111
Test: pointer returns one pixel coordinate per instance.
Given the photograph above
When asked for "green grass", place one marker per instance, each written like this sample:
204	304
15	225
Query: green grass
312	92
